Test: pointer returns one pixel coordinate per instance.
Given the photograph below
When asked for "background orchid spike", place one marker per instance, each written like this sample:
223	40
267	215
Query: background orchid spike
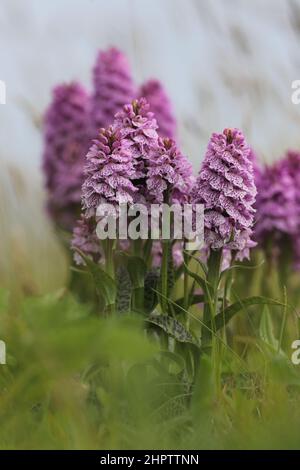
293	163
169	171
113	87
160	104
109	172
85	239
276	205
226	187
65	146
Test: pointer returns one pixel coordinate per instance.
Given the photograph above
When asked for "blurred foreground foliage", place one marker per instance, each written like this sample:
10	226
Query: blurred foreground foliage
74	380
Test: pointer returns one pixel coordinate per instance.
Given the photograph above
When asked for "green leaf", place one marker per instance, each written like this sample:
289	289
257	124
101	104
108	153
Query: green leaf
178	272
172	327
170	272
266	329
105	285
150	292
197	258
136	268
171	276
222	318
199	280
172	359
124	288
204	392
242	267
195	299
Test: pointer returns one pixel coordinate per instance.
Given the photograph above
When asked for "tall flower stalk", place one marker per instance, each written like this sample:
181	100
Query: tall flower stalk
225	186
169	179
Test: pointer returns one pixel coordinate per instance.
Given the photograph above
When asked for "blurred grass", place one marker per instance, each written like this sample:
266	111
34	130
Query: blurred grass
74	380
77	381
32	260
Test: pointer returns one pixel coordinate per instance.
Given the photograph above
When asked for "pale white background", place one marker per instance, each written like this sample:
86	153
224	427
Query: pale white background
224	62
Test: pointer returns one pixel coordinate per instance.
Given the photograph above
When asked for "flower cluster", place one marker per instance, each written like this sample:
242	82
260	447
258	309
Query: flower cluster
113	87
73	119
134	159
225	186
65	146
161	106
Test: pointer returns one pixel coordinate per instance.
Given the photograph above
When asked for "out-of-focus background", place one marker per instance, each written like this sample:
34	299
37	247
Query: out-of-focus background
223	62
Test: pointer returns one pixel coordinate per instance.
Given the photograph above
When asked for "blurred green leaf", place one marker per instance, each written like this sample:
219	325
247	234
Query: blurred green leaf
222	318
266	329
104	284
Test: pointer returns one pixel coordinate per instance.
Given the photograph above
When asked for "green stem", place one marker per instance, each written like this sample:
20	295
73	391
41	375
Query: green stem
164	275
138	299
137	247
147	252
108	246
186	296
211	296
165	259
138	292
285	262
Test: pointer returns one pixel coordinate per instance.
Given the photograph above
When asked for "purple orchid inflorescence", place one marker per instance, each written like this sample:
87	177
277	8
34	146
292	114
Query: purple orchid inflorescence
226	188
113	88
277	213
293	162
65	145
161	106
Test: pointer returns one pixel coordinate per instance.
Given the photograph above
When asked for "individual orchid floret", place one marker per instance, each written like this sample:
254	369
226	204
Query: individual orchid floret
113	87
85	239
65	146
225	186
161	106
109	173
